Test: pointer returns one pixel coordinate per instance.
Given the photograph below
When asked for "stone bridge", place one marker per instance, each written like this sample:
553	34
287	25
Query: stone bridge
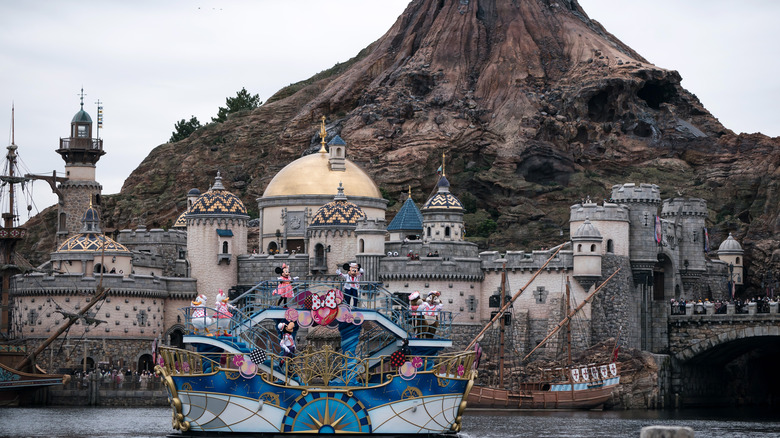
724	358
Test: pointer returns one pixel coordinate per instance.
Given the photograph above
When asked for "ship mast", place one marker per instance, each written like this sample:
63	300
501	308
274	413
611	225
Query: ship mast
10	234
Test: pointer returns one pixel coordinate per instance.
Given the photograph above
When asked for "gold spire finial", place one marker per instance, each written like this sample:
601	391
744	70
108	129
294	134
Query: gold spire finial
442	164
323	134
410	190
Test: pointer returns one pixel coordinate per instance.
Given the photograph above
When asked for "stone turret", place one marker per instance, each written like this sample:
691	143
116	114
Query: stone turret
684	233
587	243
731	252
642	202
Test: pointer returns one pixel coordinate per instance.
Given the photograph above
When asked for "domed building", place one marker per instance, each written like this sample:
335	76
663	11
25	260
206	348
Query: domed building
216	236
91	251
332	234
293	196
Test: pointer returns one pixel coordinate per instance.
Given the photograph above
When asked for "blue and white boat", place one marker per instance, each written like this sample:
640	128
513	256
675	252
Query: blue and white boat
362	369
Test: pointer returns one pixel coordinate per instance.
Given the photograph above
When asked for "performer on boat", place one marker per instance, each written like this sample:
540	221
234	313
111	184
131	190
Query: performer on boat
287	340
222	313
199	318
351	285
285	288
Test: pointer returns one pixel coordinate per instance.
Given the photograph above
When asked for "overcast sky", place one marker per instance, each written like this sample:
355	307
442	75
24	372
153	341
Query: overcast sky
153	63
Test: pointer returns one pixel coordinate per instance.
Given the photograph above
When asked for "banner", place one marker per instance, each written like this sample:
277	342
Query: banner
658	230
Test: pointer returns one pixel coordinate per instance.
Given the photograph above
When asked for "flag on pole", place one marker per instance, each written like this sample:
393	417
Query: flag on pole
657	230
100	116
706	240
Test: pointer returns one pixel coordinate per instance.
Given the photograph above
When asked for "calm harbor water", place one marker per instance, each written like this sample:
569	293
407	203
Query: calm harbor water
84	422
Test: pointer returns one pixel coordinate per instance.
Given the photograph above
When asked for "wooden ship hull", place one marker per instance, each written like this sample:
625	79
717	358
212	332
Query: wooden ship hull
545	395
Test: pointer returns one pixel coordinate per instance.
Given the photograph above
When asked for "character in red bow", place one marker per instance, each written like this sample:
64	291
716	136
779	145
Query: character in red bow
285	288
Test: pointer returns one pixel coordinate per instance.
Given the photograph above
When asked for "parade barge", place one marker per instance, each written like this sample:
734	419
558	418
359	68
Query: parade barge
377	378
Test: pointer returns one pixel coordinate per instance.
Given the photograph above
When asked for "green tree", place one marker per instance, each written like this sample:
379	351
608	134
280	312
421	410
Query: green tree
242	101
184	129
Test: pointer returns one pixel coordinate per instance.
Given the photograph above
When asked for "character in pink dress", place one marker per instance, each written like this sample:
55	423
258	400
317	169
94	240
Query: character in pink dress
285	288
222	313
199	319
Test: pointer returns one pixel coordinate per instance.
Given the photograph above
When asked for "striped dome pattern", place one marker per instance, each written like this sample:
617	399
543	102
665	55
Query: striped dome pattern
91	242
217	202
340	212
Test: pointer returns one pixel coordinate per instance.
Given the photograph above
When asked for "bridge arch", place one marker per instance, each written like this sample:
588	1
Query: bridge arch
729	343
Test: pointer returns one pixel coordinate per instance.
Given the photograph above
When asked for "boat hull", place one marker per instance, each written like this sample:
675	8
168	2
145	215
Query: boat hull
227	402
592	397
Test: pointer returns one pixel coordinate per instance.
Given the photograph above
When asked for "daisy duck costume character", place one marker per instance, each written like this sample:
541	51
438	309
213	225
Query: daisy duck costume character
199	319
222	312
285	288
351	282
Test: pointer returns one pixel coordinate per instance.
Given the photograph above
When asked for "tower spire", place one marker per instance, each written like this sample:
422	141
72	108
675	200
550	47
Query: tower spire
323	134
443	156
82	97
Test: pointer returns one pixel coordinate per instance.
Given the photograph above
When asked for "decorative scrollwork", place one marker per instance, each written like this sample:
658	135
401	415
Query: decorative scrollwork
270	398
411	392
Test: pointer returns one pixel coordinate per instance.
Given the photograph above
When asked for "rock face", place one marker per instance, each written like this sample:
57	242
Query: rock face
535	105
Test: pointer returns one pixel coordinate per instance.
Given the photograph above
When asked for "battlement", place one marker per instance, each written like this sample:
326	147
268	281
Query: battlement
630	192
521	260
370	224
684	206
595	212
142	236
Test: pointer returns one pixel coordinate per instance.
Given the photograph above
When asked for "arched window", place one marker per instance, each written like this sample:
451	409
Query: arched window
62	222
610	246
579	247
273	248
362	246
737	261
593	247
224	247
429	232
446	231
319	255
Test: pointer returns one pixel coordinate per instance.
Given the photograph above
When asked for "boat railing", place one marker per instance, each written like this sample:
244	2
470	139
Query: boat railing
321	367
371	296
252	335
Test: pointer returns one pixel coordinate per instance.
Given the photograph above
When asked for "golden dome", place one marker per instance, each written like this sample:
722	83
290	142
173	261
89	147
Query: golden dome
311	175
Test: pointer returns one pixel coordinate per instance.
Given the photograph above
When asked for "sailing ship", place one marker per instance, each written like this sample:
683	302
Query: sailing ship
568	387
19	377
376	378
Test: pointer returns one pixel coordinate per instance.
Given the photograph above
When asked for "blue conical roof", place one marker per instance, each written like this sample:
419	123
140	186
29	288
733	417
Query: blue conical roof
408	218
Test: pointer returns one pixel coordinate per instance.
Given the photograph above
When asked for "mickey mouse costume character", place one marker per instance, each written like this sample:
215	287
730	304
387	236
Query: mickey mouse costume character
286	339
351	279
285	288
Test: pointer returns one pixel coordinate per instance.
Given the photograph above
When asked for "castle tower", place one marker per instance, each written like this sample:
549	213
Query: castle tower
407	223
81	152
731	252
216	236
443	214
586	243
642	202
338	150
370	235
686	236
331	234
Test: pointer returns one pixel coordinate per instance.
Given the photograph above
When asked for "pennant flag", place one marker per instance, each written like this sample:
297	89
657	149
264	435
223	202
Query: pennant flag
658	230
706	240
257	356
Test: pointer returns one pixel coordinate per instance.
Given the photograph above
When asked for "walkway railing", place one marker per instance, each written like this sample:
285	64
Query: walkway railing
724	308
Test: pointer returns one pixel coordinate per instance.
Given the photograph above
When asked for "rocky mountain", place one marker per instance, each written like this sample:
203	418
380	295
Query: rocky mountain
536	106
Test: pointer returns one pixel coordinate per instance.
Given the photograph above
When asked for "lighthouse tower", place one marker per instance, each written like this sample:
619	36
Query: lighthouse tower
81	152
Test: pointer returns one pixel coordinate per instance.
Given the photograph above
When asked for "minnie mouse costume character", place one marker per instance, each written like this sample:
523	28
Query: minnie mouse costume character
351	279
285	288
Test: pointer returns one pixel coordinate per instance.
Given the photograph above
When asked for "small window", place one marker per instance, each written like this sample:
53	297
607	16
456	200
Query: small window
737	261
429	231
593	248
610	246
446	231
579	247
224	247
82	131
362	246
